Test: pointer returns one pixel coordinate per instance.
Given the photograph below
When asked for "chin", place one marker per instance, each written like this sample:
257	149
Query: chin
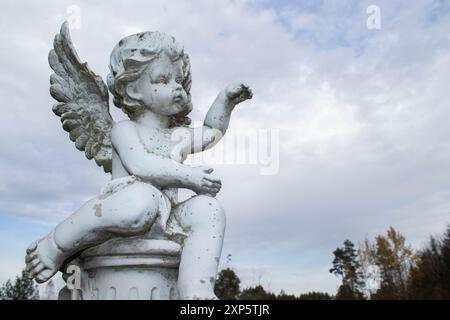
177	108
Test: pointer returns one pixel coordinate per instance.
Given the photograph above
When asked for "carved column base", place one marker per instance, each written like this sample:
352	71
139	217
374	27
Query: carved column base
127	269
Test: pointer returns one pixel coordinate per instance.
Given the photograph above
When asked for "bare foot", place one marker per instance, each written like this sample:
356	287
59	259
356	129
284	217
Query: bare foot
43	259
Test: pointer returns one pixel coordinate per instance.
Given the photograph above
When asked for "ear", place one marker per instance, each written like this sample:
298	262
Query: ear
133	91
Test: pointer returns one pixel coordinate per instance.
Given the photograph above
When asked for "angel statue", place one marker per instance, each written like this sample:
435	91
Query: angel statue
150	80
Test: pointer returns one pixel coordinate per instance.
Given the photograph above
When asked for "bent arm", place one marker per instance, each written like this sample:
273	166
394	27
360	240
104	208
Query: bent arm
218	117
163	172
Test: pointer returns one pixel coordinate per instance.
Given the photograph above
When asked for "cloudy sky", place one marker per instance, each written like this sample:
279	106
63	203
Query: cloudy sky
362	116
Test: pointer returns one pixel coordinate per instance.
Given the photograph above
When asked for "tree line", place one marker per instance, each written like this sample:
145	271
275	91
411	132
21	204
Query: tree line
386	267
227	287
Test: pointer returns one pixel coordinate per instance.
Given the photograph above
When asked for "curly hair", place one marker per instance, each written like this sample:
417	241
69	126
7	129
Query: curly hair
129	59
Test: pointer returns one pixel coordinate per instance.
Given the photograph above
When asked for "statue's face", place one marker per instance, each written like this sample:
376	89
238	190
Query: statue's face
160	87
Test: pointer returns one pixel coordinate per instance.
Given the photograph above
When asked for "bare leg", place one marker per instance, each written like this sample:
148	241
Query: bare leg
204	219
129	211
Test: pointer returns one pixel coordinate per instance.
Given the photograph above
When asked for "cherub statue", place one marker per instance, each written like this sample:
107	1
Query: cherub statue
150	80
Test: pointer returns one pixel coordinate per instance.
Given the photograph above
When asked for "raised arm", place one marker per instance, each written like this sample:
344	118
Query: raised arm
218	117
162	172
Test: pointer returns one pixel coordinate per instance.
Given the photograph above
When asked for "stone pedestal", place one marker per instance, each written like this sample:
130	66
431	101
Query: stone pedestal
127	269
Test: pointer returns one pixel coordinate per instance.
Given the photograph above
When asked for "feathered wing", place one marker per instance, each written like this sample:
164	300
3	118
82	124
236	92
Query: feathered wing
83	101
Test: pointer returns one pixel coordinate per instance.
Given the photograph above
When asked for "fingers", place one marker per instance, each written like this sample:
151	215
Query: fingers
209	188
246	92
212	185
208	184
211	194
245	88
212	189
208	176
212	180
206	169
208	192
249	92
241	93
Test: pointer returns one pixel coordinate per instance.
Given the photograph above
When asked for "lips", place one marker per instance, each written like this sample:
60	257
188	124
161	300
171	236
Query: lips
178	98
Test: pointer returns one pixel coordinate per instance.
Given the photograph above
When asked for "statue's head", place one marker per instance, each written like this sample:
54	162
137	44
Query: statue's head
149	70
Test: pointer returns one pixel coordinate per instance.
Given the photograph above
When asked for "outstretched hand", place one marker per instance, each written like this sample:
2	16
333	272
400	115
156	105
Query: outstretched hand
204	182
238	92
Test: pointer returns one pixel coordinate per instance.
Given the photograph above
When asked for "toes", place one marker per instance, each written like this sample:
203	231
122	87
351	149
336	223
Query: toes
37	269
30	257
40	278
38	273
32	247
29	275
30	265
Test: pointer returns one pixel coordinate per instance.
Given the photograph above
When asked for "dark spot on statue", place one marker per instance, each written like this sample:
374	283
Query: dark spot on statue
120	43
202	281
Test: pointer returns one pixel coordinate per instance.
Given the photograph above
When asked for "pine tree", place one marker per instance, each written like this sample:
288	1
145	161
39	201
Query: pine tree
284	296
23	288
430	277
313	295
346	266
227	285
256	293
445	253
